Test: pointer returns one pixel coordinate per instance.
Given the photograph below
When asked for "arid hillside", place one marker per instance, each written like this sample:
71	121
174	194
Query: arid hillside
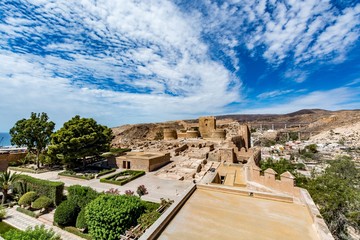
317	120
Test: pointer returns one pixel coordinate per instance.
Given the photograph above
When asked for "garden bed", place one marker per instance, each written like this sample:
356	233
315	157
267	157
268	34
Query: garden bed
87	174
123	177
28	170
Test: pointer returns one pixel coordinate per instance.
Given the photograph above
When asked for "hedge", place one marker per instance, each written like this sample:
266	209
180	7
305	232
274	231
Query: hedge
66	213
80	220
132	175
77	232
81	195
106	171
72	174
109	216
27	212
53	190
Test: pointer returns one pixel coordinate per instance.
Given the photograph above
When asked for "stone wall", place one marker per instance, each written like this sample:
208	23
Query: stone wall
5	158
284	185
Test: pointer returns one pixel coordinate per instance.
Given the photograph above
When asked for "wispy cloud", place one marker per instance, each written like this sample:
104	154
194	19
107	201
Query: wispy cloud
298	32
334	99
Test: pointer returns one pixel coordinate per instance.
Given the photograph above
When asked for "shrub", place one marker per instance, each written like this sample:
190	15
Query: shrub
38	232
147	219
141	190
108	216
113	191
80	220
54	190
27	198
2	212
42	202
66	213
81	195
129	192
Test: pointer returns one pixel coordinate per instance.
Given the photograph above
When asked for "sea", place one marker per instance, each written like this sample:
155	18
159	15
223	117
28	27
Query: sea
5	139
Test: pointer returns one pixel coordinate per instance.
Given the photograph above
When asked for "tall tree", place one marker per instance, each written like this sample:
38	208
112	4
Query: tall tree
34	133
7	179
79	138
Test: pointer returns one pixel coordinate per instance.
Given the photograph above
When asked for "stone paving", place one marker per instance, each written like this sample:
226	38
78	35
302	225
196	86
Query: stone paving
22	221
157	187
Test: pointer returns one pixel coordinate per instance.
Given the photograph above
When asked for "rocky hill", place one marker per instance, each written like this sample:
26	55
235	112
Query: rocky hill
318	121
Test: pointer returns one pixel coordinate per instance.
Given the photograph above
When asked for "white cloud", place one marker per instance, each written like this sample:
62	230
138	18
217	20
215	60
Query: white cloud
275	93
302	31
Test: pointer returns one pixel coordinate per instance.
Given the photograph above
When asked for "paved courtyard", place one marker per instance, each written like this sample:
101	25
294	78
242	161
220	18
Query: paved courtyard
157	187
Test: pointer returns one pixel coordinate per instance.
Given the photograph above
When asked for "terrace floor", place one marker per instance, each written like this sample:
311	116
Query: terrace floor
209	214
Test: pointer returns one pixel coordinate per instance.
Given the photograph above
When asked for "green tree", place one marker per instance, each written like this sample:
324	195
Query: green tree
79	138
108	216
34	133
38	233
337	195
7	179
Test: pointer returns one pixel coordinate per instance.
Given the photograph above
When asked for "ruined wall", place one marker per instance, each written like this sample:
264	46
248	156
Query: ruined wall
244	131
5	158
206	126
158	162
170	134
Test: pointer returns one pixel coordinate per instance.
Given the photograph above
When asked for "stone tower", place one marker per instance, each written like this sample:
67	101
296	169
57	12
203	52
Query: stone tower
206	126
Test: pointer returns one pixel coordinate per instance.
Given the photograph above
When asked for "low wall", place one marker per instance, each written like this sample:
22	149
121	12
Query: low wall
160	224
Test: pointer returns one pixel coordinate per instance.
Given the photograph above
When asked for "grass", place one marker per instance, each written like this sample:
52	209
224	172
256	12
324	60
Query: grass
131	175
4	227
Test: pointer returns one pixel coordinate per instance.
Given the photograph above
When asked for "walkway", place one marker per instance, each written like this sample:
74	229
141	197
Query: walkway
22	221
157	187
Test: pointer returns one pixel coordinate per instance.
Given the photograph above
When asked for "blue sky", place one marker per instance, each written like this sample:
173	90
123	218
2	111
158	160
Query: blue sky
137	61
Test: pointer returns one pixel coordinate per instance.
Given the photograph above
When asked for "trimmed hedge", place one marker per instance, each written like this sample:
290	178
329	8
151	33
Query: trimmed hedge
53	190
81	195
41	202
66	213
109	216
132	175
27	198
106	171
80	220
72	174
77	232
27	212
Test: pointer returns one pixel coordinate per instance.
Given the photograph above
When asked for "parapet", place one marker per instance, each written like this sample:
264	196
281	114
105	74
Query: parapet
284	185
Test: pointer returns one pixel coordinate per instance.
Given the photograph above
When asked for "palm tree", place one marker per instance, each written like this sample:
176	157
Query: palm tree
6	181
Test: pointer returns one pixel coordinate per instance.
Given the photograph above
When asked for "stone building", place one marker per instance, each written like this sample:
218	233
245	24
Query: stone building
146	161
